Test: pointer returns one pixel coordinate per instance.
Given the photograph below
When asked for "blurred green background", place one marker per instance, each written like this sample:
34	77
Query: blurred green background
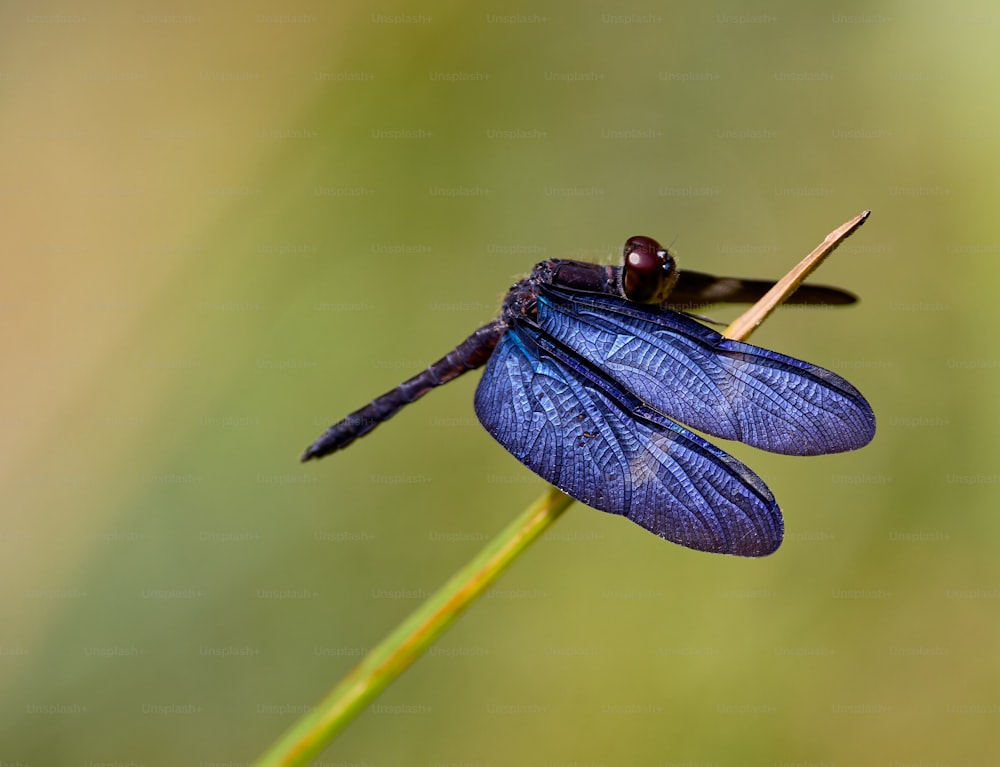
226	227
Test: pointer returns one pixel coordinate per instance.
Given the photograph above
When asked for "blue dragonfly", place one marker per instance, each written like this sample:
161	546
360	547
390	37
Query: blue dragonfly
591	369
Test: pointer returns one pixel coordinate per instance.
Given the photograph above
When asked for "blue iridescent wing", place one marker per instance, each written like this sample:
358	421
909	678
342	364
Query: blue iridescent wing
725	388
568	422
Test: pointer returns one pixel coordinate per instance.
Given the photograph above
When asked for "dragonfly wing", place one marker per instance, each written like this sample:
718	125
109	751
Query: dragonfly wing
696	289
723	387
567	422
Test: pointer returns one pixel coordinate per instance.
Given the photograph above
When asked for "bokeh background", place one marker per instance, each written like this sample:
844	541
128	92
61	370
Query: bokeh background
225	227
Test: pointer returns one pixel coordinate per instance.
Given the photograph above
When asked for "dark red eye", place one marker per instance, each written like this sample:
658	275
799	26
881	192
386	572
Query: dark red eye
649	271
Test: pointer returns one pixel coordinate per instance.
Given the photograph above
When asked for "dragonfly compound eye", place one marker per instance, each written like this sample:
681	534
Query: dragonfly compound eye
650	271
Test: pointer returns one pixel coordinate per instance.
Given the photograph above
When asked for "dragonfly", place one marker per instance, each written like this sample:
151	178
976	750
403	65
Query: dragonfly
592	369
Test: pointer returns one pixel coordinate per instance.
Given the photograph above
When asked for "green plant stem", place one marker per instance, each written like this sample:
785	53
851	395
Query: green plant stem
390	657
394	654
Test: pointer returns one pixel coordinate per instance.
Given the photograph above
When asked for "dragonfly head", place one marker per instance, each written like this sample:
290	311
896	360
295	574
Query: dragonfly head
649	273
